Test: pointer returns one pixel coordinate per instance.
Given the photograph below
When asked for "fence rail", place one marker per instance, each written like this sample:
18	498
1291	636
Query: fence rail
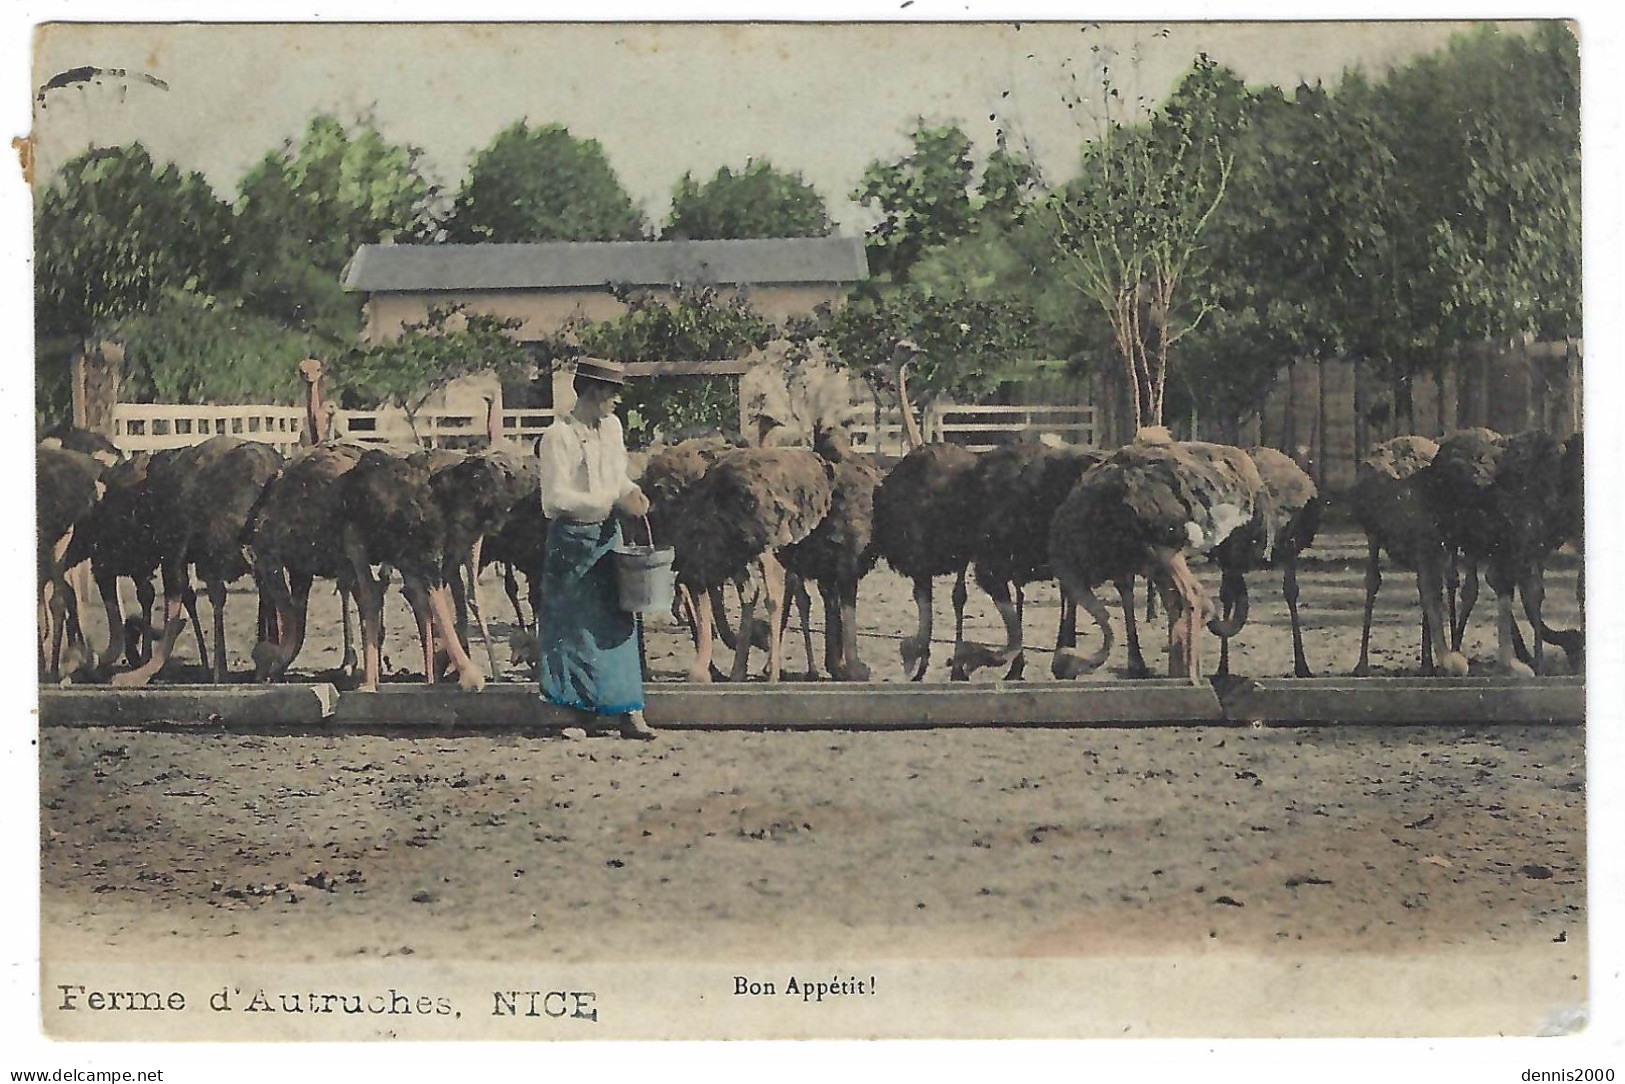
150	427
154	426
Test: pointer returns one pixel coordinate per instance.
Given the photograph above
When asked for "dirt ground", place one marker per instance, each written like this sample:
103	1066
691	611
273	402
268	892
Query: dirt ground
994	842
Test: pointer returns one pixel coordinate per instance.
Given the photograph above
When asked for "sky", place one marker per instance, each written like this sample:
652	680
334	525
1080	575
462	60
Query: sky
824	100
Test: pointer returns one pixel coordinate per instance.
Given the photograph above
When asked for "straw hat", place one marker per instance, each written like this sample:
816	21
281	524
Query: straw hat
600	369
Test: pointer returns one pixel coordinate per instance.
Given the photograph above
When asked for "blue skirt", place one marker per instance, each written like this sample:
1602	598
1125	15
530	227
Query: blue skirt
589	647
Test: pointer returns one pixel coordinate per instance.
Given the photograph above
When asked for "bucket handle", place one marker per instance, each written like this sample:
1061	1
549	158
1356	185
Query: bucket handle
648	532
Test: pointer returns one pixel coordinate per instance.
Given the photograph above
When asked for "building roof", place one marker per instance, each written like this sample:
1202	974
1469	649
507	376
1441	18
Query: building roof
576	264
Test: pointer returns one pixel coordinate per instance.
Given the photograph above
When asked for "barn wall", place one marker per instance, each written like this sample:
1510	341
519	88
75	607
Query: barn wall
543	312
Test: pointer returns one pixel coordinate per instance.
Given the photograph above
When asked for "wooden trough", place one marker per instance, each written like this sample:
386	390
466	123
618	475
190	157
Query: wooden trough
222	706
1409	701
516	707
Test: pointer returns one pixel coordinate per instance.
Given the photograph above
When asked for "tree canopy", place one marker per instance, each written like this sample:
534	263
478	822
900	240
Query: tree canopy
542	184
758	201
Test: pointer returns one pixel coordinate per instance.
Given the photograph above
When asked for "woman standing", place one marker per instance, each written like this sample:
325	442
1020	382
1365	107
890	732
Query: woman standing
589	651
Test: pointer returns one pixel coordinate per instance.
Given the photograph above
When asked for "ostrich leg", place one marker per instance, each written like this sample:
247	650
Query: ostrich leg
1468	589
773	577
1373	584
699	607
468	675
1184	600
1018	662
968	657
1504	583
1430	584
107	587
1289	591
916	649
1227	605
473	567
1131	628
1067	663
174	572
956	669
852	667
370	609
417	597
742	641
796	590
217	602
834	630
1532	588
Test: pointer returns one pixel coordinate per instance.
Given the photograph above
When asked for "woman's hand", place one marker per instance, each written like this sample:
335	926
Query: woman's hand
633	503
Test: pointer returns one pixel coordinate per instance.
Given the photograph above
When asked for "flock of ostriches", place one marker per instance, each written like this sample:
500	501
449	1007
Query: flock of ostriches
771	521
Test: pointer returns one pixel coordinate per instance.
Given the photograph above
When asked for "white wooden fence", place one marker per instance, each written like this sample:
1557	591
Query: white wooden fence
977	428
147	427
152	426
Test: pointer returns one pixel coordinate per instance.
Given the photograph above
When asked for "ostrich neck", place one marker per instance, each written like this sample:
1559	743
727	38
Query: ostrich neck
911	429
315	410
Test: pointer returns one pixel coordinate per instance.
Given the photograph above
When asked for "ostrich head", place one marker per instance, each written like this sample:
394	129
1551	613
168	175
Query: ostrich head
1153	434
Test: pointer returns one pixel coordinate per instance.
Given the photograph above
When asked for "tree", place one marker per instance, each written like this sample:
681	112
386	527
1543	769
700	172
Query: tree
1129	230
305	209
1010	182
192	348
758	201
115	230
697	324
447	344
542	185
923	198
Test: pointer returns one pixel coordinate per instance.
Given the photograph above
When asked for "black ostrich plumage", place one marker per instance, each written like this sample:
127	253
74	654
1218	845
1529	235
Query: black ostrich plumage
388	504
1499	498
203	500
927	511
1387	501
119	537
479	492
749	502
65	492
298	526
840	549
1022	485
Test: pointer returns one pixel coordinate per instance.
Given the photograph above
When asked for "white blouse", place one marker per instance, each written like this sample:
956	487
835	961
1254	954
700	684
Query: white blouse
584	469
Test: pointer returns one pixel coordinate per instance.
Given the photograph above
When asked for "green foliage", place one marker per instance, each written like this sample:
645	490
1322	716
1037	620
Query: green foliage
969	342
115	230
448	344
1129	231
542	184
192	348
698	324
923	198
758	201
304	210
1010	182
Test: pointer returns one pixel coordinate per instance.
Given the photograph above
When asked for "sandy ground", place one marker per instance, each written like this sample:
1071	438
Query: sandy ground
986	843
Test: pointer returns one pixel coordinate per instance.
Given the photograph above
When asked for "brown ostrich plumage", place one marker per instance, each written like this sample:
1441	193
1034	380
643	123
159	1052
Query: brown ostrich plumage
391	515
1144	510
839	552
1284	525
1388	505
202	501
297	535
926	519
749	504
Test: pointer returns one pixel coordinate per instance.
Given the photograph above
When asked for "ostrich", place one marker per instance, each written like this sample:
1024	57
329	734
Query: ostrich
1499	501
749	504
925	522
119	539
68	486
202	500
1388	506
1571	525
1022	484
391	514
296	535
1142	511
838	554
1295	504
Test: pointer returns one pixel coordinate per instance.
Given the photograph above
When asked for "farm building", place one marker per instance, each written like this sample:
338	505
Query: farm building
545	285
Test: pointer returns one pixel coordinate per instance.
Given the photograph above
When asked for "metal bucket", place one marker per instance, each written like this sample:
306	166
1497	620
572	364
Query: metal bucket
644	578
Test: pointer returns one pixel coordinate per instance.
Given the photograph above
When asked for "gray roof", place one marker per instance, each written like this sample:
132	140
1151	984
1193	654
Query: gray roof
576	264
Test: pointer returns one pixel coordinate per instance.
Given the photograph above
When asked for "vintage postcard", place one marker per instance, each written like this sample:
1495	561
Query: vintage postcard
604	531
